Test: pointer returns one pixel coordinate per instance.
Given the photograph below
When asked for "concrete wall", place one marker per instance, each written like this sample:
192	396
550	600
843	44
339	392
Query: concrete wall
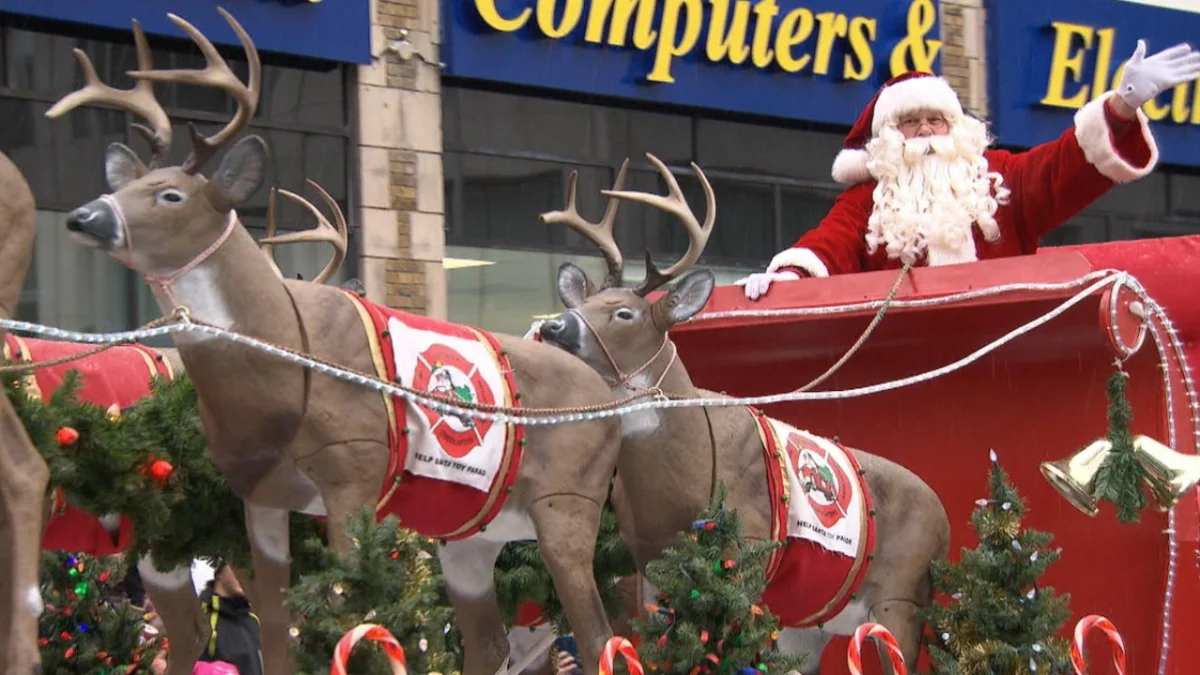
400	154
964	58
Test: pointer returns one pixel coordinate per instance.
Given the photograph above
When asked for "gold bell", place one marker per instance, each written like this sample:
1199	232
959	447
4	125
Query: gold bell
1075	476
1171	474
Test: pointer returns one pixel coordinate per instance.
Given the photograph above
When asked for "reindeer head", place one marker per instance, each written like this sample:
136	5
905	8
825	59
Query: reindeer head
616	330
162	218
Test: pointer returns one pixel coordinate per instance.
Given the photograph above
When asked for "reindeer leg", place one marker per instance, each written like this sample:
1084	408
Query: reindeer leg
174	597
469	567
23	480
567	527
271	554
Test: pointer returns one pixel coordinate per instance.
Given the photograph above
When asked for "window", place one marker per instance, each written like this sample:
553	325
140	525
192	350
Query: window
301	115
508	159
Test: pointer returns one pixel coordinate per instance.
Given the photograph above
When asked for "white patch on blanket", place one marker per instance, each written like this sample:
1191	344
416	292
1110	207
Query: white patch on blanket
448	447
826	504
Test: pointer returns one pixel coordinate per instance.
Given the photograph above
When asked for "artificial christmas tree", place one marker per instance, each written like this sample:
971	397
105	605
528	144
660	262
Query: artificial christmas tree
388	578
84	631
997	619
707	619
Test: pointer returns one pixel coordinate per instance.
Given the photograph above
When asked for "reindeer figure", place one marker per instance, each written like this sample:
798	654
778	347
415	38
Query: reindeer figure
670	459
290	440
23	473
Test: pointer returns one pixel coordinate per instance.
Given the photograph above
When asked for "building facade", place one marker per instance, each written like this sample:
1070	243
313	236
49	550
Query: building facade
444	128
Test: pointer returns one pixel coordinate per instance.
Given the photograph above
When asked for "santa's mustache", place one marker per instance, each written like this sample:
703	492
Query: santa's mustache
917	149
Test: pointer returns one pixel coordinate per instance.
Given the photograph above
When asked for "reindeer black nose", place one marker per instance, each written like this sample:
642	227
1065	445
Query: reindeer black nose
553	327
78	219
97	222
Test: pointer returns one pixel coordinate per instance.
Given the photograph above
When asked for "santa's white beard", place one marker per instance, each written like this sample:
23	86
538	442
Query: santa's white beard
931	191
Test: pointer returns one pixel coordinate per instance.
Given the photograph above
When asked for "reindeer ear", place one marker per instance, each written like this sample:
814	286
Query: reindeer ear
122	166
573	285
240	174
685	299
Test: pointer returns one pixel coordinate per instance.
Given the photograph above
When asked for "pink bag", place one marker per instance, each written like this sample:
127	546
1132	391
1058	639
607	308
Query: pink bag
214	668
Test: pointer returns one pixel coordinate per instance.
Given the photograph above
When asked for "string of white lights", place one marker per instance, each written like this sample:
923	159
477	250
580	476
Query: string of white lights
897	303
1154	317
185	324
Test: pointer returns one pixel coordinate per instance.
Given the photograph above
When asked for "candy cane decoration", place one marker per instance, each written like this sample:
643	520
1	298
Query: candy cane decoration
619	645
375	633
881	635
1086	624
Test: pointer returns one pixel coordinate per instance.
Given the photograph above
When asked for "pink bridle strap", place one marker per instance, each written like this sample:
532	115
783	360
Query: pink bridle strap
624	380
167	281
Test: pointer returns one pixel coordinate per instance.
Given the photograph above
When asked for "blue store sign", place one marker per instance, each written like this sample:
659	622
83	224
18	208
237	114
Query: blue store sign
1050	58
818	60
337	30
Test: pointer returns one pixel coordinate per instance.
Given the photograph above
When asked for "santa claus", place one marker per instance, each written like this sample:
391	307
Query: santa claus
925	189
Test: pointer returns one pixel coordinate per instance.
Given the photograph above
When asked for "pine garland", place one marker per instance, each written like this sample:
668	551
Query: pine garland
1120	478
103	465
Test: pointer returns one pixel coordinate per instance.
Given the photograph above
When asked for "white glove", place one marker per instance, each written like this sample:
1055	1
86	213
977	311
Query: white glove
757	284
1144	78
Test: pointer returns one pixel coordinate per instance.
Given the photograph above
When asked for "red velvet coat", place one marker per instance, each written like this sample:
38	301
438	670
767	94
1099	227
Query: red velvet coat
1050	183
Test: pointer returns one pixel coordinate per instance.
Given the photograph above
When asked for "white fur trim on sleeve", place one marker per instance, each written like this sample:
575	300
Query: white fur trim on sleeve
1095	139
850	167
803	258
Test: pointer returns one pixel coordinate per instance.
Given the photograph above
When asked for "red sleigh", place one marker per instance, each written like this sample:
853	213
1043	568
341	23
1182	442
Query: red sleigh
1039	397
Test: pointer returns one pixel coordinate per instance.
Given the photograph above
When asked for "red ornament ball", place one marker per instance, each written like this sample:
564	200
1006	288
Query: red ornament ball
161	470
67	436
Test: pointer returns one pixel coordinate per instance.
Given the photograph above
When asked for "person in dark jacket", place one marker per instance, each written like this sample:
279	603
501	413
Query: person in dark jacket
235	628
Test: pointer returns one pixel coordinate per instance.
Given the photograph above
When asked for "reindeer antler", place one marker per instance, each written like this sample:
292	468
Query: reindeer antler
601	233
674	203
216	73
139	99
324	231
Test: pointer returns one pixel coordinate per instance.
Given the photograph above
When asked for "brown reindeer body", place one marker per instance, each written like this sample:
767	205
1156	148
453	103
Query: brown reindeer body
288	439
23	473
672	458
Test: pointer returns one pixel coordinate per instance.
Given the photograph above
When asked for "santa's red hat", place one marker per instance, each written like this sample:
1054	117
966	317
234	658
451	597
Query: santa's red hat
904	93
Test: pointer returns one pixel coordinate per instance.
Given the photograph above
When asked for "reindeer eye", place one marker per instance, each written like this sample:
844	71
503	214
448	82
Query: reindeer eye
171	196
624	314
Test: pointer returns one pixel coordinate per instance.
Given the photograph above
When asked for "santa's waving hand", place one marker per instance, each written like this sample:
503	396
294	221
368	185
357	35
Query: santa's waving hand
925	188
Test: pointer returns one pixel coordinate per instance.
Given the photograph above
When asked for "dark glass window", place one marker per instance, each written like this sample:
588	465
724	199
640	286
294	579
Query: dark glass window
301	116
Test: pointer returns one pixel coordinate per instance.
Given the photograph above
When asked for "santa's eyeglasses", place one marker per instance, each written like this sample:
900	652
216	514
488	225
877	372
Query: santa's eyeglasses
936	123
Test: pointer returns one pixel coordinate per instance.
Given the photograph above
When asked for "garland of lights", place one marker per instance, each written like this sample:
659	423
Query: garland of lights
544	416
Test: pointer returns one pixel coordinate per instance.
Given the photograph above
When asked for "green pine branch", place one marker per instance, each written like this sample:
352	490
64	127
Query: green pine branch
1119	480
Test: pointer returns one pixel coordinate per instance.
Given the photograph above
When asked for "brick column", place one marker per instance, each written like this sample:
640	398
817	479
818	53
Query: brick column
964	58
400	152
